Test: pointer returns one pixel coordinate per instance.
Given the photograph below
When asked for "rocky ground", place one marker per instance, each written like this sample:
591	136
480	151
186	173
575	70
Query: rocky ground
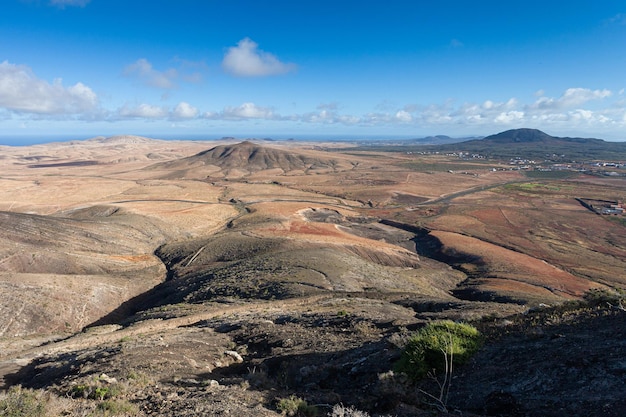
242	358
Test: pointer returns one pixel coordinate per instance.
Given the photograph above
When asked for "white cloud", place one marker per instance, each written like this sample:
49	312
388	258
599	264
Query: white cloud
509	117
22	92
473	113
327	116
62	3
486	116
572	110
577	96
246	60
143	111
347	119
184	111
250	111
142	69
373	119
572	97
328	113
404	116
581	114
247	111
323	116
435	114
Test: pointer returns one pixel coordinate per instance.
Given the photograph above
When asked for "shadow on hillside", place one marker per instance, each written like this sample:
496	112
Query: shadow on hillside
129	308
45	371
431	247
575	368
349	376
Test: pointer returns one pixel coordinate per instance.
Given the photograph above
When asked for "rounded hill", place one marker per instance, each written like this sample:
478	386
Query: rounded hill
519	136
246	157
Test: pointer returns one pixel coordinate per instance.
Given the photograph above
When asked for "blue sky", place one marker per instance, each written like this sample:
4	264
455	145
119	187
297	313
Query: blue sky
395	68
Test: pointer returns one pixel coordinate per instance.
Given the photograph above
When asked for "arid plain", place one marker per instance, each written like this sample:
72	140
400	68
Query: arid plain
229	274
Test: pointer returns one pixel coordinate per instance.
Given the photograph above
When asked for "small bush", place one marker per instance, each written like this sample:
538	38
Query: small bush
604	297
138	379
117	408
340	411
21	402
436	343
96	391
294	406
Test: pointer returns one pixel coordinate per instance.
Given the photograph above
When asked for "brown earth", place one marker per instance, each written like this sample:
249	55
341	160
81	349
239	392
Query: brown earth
216	281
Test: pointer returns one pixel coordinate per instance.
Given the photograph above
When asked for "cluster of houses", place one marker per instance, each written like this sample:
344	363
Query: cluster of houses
603	206
611	169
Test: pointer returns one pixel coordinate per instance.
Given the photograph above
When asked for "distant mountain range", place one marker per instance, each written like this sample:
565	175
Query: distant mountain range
534	135
515	143
439	140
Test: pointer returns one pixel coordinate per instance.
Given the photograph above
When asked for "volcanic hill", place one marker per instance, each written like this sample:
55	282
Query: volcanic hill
535	144
519	135
246	157
534	135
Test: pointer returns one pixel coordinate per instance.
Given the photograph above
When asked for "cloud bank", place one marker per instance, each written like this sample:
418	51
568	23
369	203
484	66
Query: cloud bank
22	92
25	96
566	111
142	111
245	111
570	98
184	111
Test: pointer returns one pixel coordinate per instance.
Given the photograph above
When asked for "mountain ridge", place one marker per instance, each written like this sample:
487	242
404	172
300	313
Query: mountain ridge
536	144
526	135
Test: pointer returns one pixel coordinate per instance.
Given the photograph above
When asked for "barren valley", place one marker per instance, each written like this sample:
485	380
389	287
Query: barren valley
216	278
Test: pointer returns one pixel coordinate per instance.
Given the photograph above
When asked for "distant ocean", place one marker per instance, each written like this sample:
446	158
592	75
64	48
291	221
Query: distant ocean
26	140
19	140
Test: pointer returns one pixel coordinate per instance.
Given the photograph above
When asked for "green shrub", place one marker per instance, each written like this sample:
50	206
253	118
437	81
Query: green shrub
96	391
434	345
294	406
117	408
138	379
21	402
605	297
101	393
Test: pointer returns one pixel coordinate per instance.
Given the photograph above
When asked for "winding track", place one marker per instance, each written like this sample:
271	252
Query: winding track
449	197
